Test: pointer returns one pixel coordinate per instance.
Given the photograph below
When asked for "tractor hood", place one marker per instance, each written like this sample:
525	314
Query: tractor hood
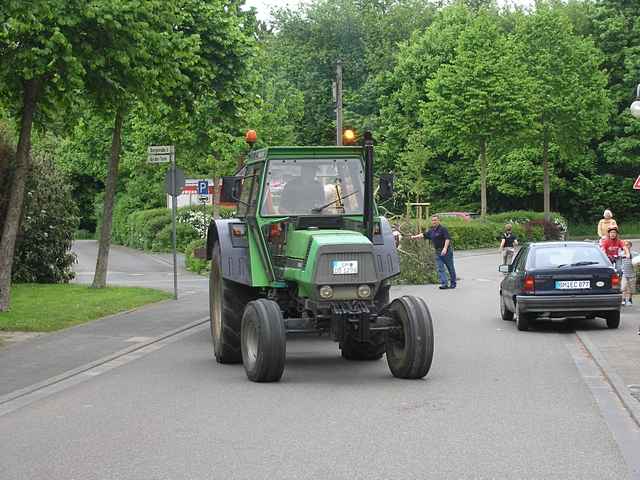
301	242
343	259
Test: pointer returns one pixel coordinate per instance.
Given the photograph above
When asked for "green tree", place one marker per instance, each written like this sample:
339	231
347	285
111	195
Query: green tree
185	55
569	99
617	33
480	98
40	47
404	91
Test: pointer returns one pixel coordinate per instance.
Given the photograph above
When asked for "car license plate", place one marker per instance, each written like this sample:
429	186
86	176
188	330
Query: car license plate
345	267
573	284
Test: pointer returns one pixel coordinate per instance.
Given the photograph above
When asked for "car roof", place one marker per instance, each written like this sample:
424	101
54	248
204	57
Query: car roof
565	243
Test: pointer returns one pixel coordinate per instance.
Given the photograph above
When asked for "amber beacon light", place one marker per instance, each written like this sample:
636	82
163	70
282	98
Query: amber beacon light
349	136
251	137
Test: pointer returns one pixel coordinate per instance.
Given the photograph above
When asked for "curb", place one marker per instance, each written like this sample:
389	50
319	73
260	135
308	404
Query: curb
630	403
90	322
16	394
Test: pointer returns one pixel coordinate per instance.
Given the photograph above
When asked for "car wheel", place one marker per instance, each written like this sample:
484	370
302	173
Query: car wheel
505	313
264	341
613	319
522	319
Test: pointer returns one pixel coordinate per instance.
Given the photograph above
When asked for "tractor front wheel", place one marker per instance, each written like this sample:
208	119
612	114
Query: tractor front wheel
264	342
409	346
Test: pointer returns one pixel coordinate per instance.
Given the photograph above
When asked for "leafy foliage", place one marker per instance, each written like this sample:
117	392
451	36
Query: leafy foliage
43	246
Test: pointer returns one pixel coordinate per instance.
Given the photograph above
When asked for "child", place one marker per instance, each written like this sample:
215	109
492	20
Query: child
612	245
628	276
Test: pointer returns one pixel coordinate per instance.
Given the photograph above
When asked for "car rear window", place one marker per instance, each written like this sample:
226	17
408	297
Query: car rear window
566	256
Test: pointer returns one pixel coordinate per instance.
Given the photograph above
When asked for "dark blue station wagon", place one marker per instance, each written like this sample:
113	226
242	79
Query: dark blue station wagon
560	279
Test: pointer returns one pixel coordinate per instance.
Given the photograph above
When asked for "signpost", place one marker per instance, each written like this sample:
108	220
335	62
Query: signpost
174	181
636	185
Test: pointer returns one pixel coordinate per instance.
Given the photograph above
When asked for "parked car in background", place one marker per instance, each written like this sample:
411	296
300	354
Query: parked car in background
560	279
464	215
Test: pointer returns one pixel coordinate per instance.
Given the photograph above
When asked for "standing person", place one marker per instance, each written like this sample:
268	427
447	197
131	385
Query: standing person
441	241
628	275
612	245
605	224
508	244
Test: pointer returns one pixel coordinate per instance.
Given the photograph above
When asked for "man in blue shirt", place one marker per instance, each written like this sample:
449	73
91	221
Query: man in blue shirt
441	241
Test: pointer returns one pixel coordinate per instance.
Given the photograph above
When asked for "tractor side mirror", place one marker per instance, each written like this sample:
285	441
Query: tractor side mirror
386	186
231	187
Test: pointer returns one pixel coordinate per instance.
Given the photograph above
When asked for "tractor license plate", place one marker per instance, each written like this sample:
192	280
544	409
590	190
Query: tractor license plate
345	267
573	284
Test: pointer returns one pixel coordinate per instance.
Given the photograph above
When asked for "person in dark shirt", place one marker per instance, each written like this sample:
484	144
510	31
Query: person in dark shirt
441	241
301	194
508	244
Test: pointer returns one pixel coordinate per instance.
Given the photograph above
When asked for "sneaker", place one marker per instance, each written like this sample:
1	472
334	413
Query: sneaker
453	286
443	287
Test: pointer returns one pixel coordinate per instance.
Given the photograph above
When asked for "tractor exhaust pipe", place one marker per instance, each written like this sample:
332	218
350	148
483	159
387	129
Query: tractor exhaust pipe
368	184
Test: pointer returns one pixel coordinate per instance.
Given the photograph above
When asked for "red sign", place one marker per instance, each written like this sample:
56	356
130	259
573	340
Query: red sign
636	185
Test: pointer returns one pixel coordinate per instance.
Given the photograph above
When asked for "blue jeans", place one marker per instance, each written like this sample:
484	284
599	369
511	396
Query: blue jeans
443	261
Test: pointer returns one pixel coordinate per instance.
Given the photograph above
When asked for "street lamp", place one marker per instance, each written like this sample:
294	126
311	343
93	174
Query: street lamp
635	106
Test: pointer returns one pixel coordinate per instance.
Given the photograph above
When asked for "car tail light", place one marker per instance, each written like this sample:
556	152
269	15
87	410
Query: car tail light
529	284
615	281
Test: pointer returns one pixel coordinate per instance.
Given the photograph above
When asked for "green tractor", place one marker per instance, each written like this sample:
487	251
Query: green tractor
308	253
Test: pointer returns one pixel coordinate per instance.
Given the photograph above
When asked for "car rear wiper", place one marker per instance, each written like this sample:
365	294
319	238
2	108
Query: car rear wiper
577	264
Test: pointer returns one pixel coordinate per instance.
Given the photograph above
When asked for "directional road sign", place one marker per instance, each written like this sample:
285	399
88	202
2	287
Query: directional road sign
161	154
636	185
203	187
161	149
159	158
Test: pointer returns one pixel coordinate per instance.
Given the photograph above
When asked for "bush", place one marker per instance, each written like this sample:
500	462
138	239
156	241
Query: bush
49	220
524	216
192	263
151	229
185	234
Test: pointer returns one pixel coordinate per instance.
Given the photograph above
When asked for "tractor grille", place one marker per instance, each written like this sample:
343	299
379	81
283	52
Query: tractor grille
366	268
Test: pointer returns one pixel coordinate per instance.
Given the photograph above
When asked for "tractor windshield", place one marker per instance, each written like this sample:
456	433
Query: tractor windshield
313	187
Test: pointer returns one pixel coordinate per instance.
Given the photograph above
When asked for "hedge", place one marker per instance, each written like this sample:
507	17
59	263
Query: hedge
151	229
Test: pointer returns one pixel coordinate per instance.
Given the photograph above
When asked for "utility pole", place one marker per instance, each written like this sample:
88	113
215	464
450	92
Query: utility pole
338	100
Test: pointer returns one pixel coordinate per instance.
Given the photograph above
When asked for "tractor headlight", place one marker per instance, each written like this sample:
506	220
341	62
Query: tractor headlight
364	291
326	292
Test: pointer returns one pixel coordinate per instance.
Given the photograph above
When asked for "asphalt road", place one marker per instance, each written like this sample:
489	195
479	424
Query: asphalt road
497	404
128	267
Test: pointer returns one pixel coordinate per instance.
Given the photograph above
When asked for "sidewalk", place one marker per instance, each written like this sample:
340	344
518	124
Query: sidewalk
32	361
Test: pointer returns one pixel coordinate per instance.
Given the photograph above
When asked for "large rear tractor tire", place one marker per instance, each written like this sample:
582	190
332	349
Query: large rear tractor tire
410	347
227	300
264	341
353	350
382	297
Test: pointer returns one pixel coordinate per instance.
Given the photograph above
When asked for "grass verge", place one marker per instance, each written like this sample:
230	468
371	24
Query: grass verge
45	308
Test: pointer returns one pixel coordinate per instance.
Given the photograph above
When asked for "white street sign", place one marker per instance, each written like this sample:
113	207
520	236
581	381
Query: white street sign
159	158
161	150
